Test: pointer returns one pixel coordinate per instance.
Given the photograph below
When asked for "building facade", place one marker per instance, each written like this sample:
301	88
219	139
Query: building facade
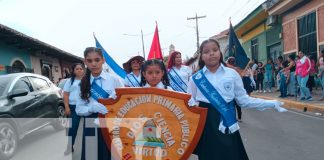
21	53
260	35
302	24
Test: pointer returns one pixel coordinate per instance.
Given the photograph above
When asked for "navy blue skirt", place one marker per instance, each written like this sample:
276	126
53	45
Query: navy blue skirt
103	151
247	84
213	144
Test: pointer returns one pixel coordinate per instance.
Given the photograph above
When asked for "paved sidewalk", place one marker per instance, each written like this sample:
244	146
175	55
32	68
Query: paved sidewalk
293	102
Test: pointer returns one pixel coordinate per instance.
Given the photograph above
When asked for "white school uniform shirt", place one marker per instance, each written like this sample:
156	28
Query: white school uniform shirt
159	85
184	73
229	85
73	90
108	82
128	83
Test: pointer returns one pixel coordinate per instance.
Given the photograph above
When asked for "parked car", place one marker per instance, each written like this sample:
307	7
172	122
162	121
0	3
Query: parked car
61	85
28	102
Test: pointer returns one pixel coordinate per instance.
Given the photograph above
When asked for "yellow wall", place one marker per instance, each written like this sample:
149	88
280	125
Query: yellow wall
258	30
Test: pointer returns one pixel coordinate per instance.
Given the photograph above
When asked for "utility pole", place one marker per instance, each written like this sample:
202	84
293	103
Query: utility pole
197	31
143	43
142	36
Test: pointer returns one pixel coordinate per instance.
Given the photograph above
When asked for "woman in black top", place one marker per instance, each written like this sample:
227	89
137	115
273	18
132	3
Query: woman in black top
292	87
259	77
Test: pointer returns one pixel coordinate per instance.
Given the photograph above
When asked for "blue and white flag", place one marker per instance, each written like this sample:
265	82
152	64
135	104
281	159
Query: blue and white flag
113	67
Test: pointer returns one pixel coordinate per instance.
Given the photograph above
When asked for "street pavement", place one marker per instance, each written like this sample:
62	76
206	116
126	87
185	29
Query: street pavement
267	135
270	135
315	106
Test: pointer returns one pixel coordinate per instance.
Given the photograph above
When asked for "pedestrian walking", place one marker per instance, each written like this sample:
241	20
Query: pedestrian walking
70	95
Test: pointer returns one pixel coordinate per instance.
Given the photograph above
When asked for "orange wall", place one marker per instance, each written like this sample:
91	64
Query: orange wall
307	8
320	26
289	36
289	24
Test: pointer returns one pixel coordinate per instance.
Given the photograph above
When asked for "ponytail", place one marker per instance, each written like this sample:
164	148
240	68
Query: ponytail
165	79
85	86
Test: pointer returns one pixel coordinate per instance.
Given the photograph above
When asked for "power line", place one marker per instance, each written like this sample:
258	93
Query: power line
240	10
197	30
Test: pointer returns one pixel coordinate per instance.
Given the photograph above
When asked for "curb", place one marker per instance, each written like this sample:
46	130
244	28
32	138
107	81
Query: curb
303	106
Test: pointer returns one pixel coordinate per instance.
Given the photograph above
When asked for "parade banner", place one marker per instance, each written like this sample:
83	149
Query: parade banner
151	123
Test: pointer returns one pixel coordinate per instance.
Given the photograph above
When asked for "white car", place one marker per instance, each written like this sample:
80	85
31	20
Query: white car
61	85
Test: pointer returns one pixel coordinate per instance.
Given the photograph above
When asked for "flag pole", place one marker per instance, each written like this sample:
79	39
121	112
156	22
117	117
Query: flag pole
156	26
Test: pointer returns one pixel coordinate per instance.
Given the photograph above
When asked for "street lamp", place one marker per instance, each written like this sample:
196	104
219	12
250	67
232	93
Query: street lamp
142	36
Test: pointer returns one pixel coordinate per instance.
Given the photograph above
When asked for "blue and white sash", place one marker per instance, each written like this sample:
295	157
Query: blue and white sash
133	80
97	92
176	82
227	110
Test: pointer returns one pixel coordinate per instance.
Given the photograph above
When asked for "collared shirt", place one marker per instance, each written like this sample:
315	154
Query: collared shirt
107	82
229	85
184	72
159	85
73	90
128	83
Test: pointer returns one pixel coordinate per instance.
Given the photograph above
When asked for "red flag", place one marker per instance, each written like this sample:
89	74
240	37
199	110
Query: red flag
155	51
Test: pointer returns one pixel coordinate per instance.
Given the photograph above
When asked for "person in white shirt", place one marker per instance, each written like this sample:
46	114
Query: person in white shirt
154	74
178	73
133	70
70	95
218	87
94	85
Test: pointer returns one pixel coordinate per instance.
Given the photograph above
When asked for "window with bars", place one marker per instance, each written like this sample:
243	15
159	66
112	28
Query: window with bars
307	38
254	49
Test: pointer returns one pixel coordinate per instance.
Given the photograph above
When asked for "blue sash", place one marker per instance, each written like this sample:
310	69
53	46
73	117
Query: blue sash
97	92
227	110
133	80
176	82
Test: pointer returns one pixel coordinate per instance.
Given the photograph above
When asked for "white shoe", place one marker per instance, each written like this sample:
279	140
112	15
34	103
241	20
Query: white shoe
264	91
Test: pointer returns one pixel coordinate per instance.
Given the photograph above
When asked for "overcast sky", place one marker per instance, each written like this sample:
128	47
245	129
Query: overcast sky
69	24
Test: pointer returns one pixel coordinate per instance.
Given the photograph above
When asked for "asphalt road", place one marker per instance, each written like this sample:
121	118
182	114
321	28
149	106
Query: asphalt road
267	135
270	135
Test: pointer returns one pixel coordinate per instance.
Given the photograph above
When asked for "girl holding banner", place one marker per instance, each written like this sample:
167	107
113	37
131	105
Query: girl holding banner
178	74
94	85
215	87
133	68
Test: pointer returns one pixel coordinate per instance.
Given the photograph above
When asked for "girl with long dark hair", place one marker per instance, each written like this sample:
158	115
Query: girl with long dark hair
71	93
215	87
94	85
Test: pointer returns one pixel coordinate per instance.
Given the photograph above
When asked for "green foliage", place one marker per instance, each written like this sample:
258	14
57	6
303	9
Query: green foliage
154	139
